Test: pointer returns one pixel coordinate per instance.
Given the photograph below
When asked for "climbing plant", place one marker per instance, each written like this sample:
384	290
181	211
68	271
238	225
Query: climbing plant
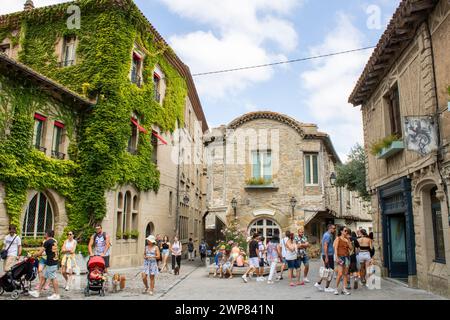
99	161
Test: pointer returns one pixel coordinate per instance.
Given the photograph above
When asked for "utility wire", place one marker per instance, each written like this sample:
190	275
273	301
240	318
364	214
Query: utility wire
282	62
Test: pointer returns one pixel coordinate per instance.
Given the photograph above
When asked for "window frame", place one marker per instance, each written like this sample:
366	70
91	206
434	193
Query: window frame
261	163
436	206
69	41
310	162
394	111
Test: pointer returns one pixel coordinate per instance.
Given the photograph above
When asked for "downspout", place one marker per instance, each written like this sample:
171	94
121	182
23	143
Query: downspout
437	117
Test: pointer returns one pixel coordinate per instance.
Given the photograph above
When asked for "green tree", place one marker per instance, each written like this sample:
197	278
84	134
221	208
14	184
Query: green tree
352	174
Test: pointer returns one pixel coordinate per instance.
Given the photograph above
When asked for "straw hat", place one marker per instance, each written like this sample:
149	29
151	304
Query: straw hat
151	238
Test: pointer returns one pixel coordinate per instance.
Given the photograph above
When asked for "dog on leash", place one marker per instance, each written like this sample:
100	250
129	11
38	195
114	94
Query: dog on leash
118	282
176	271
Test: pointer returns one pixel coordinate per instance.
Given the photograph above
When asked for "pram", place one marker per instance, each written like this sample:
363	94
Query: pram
95	276
18	279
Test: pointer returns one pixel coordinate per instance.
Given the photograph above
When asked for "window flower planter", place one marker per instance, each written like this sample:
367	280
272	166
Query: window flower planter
393	149
261	186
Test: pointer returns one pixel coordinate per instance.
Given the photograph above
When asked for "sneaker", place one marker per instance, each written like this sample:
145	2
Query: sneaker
54	297
270	282
329	290
263	279
336	293
318	286
34	294
244	278
67	288
306	280
347	293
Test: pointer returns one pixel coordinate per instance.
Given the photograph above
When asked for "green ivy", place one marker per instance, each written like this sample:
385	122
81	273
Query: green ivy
99	161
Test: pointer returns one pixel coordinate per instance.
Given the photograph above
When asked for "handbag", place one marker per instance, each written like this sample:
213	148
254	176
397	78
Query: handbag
4	253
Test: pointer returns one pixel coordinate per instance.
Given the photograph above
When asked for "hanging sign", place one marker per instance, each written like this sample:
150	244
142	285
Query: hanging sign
421	134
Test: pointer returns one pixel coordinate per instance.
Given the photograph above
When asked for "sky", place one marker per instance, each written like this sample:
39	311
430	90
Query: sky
210	35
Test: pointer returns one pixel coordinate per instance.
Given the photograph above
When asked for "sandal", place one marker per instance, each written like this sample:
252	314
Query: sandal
292	284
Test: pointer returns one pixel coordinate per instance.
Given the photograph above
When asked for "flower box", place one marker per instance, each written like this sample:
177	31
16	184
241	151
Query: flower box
393	149
261	186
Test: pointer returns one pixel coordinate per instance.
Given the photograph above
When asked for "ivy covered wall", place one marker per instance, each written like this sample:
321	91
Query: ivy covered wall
99	161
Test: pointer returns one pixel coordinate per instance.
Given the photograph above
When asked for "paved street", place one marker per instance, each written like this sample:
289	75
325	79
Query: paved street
194	284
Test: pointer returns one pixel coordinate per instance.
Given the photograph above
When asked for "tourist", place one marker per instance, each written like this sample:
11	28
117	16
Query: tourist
273	257
203	249
164	250
227	266
99	245
292	260
261	256
41	267
151	256
218	260
51	266
253	258
342	254
235	251
354	264
175	250
190	250
302	244
283	253
68	262
364	258
13	248
327	252
240	260
372	251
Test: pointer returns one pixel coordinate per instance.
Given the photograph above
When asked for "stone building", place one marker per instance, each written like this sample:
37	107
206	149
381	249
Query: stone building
403	94
152	166
272	173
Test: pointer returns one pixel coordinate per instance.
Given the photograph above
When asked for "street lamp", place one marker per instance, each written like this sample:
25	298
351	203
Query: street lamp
293	203
333	179
234	206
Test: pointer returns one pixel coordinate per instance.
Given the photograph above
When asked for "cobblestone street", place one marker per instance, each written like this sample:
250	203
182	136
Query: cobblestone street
193	283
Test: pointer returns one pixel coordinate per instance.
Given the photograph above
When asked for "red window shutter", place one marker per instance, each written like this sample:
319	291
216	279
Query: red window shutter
59	124
40	117
156	76
141	129
159	137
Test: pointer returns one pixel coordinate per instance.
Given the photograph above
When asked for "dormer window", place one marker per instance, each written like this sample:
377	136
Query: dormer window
136	69
69	51
157	83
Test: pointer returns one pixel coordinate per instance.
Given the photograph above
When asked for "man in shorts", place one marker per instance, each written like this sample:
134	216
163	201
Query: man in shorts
99	245
327	255
302	245
253	258
51	266
13	245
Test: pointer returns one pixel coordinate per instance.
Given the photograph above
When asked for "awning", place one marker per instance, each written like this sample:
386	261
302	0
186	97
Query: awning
159	137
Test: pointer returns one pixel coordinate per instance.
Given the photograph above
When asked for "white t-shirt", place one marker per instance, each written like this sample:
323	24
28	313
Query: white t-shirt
14	249
283	246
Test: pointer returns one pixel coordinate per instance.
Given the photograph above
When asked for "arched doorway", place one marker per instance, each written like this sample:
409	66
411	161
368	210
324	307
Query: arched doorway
268	228
149	230
38	217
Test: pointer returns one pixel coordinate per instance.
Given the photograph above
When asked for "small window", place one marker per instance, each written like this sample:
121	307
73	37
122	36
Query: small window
262	165
157	83
438	230
394	112
38	134
136	69
69	51
311	169
155	148
5	49
58	130
132	141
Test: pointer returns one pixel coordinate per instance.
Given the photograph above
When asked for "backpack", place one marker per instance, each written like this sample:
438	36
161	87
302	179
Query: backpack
190	246
202	248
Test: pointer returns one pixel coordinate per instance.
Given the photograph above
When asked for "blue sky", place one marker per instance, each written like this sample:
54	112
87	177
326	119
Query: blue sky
212	35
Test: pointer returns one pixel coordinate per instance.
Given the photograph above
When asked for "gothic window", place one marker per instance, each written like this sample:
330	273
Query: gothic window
38	217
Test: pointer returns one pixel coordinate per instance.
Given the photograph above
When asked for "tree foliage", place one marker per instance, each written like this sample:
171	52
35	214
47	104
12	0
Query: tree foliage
352	174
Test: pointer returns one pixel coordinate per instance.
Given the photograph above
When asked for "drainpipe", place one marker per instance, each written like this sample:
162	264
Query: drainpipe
437	117
177	212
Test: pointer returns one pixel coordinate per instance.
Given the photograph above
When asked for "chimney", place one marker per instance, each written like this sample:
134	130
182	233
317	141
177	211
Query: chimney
29	5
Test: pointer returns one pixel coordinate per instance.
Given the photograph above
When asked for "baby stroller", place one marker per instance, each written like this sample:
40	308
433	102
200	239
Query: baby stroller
95	276
18	279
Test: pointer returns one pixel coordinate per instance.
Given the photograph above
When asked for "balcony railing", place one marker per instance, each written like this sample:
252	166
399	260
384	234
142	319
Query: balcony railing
132	150
67	63
136	79
58	155
40	148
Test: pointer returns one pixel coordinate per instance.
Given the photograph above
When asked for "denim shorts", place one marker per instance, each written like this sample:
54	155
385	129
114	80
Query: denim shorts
165	252
344	261
50	272
304	260
254	262
293	264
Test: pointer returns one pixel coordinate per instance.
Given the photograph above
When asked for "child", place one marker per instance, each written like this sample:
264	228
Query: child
218	260
227	266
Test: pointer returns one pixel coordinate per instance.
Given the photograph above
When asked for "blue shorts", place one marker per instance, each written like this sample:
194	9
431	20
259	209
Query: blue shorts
344	261
304	260
293	264
50	272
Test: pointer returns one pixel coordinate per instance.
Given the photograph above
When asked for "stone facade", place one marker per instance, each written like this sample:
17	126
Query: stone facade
230	167
414	184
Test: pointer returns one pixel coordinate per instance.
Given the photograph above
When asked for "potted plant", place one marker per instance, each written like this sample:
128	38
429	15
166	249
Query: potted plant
134	234
387	147
119	235
126	235
258	181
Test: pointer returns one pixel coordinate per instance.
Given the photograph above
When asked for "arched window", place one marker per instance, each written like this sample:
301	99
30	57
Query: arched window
265	227
38	217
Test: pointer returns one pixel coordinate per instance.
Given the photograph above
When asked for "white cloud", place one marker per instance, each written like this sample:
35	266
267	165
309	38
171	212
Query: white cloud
239	34
9	6
328	84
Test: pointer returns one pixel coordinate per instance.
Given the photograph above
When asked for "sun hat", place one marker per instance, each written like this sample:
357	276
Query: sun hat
151	238
222	247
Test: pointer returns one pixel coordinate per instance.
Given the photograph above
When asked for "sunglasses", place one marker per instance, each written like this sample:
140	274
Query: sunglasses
70	234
